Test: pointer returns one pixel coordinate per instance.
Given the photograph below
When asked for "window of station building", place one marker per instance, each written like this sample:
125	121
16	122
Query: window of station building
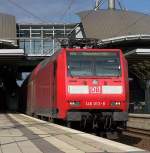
47	34
57	45
47	46
36	35
36	46
59	33
24	33
25	44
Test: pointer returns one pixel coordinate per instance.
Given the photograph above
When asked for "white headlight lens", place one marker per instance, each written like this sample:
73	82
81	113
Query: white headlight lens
74	103
115	103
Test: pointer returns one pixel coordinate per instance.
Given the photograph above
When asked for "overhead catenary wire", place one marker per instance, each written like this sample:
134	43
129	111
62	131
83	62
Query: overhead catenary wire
122	7
100	4
27	11
67	9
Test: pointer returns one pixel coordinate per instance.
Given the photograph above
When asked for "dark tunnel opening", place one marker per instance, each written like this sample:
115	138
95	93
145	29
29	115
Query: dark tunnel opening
136	94
9	90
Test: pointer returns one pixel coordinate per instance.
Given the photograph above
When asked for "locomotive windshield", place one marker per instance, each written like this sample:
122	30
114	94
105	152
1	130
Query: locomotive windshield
93	64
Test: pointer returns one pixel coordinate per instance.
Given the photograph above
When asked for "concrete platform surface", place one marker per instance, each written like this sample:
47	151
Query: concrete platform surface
140	115
23	134
139	121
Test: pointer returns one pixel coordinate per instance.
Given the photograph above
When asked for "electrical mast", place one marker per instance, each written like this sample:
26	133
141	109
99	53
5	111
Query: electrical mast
111	4
97	4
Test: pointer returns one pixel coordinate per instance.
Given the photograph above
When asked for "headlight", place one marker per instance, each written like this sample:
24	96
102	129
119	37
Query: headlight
74	103
115	103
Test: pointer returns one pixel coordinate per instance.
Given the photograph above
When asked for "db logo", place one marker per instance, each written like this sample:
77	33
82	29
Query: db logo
95	89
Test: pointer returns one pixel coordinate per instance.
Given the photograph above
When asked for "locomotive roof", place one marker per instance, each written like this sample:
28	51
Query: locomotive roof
42	64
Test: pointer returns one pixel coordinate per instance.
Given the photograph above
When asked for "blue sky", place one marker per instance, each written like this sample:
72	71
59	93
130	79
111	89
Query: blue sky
53	11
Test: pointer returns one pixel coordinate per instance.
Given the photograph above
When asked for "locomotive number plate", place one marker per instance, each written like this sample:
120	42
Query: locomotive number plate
95	103
95	90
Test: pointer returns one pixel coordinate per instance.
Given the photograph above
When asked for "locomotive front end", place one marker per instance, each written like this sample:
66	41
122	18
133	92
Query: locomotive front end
96	85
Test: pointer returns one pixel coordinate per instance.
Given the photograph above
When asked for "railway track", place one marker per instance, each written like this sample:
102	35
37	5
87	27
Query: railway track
135	137
132	136
135	131
138	131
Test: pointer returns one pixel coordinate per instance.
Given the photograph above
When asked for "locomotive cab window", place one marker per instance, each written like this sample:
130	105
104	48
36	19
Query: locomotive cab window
55	68
93	63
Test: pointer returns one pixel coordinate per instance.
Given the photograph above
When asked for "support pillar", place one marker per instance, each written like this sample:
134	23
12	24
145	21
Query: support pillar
53	40
30	49
97	2
111	4
42	42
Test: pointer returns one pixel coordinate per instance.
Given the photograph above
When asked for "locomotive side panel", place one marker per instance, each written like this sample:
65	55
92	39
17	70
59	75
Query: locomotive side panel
44	90
125	83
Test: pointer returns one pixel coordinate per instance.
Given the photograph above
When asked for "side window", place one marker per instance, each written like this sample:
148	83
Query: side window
55	68
54	81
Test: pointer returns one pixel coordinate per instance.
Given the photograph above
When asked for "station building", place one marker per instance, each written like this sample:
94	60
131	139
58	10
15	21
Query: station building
42	39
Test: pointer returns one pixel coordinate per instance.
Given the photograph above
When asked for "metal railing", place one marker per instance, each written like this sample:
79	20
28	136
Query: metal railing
38	46
32	46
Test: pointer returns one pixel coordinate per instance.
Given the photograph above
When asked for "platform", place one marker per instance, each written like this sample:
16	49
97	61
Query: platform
23	134
139	121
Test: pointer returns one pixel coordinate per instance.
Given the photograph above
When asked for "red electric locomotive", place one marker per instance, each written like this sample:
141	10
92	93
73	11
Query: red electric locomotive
87	85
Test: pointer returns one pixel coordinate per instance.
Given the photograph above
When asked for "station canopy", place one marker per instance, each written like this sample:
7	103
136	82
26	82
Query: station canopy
127	30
